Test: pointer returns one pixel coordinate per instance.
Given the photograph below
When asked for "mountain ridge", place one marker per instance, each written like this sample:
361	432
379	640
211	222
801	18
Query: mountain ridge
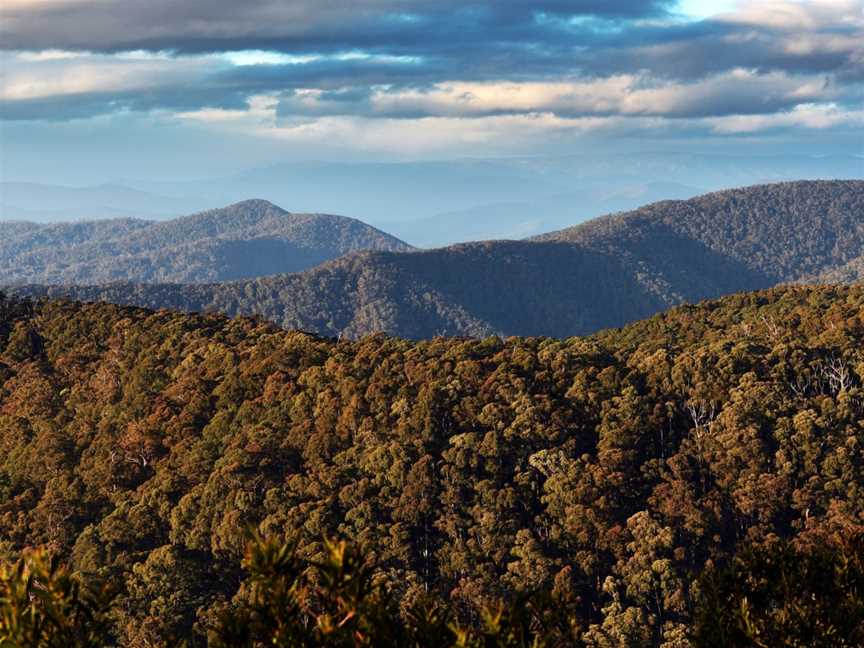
601	274
213	245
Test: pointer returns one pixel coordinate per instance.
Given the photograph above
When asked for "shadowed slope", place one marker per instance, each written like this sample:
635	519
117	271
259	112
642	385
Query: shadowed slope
778	232
602	274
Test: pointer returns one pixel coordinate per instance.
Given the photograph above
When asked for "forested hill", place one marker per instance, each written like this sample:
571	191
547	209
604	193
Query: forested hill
248	239
610	470
474	289
608	272
776	233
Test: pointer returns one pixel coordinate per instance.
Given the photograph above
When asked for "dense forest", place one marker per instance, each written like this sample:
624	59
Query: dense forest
248	239
619	474
607	272
779	232
848	273
473	289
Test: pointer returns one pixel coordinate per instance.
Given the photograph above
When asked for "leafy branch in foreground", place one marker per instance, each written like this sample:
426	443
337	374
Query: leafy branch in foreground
336	602
785	596
766	597
43	605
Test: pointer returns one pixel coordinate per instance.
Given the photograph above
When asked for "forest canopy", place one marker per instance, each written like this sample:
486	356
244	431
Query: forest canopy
621	474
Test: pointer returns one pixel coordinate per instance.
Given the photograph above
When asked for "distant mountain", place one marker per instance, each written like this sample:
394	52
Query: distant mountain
248	239
604	273
475	289
517	220
770	234
44	203
386	193
431	203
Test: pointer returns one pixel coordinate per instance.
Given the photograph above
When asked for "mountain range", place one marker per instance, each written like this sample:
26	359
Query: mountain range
432	203
247	239
600	274
46	203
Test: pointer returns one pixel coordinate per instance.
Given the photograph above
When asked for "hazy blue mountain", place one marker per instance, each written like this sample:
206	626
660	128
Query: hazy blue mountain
603	273
520	220
484	199
247	239
429	203
47	203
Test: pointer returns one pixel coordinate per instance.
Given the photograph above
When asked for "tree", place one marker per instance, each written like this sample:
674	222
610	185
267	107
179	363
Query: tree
43	605
810	597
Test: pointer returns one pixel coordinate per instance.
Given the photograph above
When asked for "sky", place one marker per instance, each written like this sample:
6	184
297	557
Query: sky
92	90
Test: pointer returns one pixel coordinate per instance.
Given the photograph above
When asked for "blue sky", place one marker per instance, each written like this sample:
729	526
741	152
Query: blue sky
94	90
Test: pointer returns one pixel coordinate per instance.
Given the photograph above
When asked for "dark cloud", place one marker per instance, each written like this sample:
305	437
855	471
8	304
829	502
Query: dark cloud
334	75
697	50
358	50
174	98
462	39
196	26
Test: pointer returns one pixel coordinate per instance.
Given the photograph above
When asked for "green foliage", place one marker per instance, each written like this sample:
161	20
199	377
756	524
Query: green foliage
336	602
294	602
42	605
782	596
581	487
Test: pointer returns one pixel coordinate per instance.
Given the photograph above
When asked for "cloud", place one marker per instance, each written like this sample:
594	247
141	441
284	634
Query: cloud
490	39
819	36
504	68
435	135
65	85
195	26
737	92
61	74
810	116
793	16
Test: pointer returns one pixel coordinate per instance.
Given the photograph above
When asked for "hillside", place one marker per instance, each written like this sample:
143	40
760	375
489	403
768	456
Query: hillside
851	272
775	233
612	470
249	239
605	273
471	290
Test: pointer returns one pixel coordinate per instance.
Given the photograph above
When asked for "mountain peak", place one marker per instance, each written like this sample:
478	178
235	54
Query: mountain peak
254	204
250	210
604	273
247	239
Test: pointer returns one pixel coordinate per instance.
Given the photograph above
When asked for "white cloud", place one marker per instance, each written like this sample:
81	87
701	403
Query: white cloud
27	76
427	135
263	57
811	116
737	91
261	108
796	15
431	135
47	55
